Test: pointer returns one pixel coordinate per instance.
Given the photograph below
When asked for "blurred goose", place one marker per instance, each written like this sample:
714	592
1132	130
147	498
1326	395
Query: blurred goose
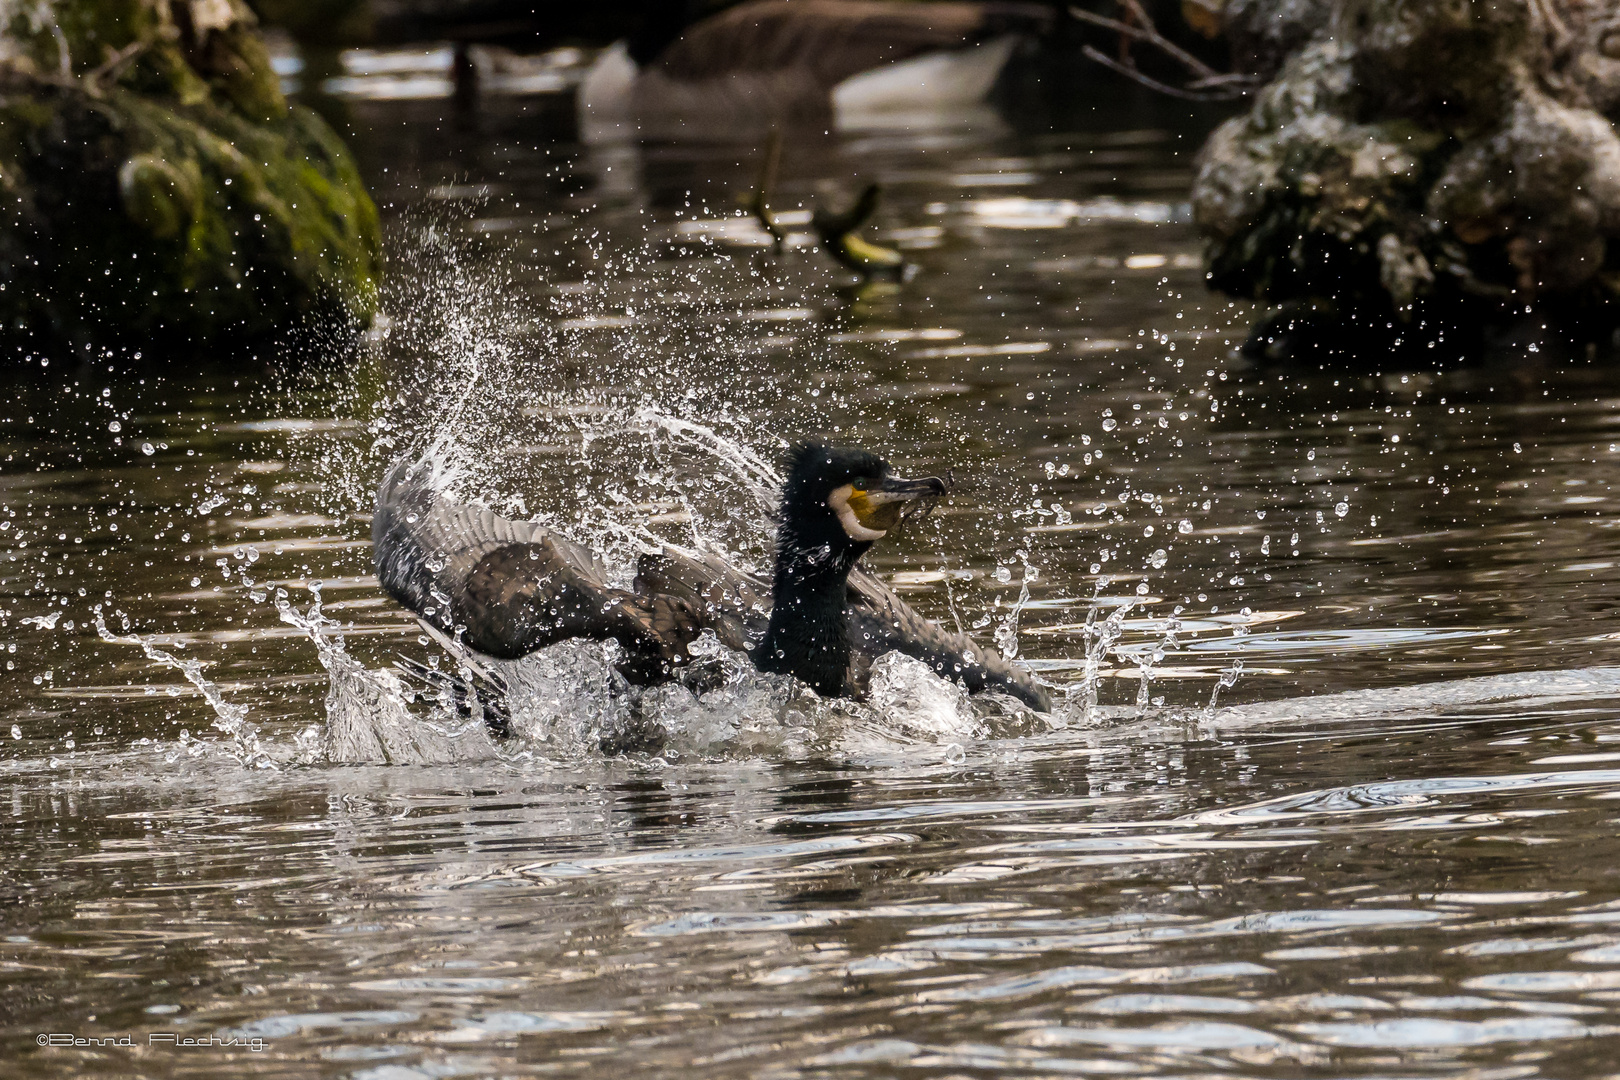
763	62
506	588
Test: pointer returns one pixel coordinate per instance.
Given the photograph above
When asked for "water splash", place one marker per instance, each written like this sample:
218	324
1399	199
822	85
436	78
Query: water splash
368	714
489	394
1229	677
759	477
1149	657
1101	637
1006	635
228	717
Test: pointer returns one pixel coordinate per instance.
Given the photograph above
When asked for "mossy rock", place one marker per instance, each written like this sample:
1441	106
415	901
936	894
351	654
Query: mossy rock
173	193
1417	163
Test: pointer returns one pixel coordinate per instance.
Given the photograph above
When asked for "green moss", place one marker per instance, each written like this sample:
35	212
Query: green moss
182	199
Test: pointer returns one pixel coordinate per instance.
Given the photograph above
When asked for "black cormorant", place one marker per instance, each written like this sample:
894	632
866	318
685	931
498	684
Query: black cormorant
506	588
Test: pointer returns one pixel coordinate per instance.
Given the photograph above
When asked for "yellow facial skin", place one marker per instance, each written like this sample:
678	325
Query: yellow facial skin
869	513
876	510
858	514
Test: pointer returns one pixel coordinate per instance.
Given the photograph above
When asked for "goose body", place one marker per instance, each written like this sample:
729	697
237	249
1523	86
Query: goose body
766	63
507	588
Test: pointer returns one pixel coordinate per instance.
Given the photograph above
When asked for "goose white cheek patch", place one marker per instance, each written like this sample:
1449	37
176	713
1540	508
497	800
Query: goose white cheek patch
839	501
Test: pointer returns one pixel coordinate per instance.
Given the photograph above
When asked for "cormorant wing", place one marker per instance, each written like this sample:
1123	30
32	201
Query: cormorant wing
734	604
737	607
880	622
507	588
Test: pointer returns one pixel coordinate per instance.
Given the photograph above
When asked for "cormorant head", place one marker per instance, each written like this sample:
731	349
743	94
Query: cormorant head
840	500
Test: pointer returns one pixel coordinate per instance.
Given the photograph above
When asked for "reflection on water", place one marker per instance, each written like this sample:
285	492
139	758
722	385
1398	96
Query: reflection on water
1386	850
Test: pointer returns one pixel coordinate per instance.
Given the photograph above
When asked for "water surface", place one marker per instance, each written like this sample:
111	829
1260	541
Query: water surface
1388	850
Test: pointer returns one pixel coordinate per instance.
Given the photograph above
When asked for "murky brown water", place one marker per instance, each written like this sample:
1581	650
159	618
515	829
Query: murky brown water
1389	852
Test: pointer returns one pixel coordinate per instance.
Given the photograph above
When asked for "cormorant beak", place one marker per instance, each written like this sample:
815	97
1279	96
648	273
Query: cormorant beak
868	513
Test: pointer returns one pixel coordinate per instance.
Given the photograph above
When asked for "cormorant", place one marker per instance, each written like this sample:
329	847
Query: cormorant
506	588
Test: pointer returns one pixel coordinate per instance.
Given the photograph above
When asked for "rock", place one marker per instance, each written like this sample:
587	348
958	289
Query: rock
1421	167
157	185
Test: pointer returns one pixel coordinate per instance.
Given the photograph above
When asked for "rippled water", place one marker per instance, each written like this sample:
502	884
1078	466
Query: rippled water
1387	850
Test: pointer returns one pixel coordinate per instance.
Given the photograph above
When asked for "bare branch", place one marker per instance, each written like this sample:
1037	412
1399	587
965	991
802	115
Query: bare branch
1151	83
1106	23
1238	83
117	60
1142	29
1193	64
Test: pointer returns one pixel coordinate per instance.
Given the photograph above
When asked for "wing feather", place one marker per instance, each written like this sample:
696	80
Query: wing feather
880	622
505	587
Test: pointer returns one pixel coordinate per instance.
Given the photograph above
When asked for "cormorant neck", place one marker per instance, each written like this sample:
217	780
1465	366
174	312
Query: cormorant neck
808	635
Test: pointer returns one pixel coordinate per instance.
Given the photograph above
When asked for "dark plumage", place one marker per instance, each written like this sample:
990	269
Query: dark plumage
507	588
809	634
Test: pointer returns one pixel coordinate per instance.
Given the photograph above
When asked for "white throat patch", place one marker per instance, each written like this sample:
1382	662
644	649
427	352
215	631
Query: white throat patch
839	501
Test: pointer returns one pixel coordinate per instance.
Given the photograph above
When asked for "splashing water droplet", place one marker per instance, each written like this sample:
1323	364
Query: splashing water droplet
1340	509
148	449
228	717
1158	559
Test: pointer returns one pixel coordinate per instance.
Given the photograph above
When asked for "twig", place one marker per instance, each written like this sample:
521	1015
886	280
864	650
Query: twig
1110	24
116	61
89	82
1195	65
1244	83
1151	83
1142	29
